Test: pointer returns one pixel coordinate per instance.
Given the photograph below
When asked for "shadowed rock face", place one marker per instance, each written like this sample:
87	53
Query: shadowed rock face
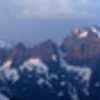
46	51
19	54
82	46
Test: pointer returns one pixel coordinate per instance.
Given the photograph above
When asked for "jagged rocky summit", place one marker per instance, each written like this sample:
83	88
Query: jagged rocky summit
51	72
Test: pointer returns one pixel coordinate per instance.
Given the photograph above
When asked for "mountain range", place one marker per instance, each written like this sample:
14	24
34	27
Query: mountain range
47	71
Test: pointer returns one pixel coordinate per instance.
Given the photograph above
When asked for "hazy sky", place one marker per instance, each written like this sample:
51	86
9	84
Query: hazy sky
33	21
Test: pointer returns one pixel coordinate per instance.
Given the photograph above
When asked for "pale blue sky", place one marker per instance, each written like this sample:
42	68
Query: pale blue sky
33	21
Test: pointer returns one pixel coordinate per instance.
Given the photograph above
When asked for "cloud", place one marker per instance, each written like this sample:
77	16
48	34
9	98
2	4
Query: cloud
49	8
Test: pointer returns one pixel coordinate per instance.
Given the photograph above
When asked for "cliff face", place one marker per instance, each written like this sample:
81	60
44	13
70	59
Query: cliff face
46	52
82	46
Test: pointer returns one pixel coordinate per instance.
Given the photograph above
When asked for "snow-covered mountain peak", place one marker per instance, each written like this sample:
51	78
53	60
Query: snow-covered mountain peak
94	29
81	33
